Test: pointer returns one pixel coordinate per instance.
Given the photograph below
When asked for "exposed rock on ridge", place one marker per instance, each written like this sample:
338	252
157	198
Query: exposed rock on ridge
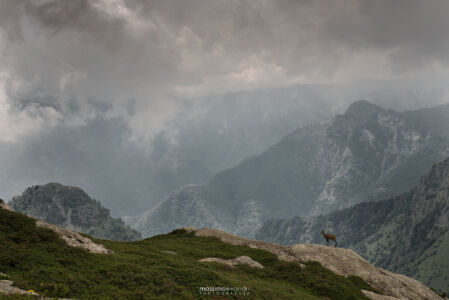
341	261
74	239
245	260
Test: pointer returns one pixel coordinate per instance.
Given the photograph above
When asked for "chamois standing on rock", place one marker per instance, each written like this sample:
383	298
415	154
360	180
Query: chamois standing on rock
329	236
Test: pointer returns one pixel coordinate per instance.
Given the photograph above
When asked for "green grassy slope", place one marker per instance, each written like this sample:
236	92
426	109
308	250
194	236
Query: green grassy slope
36	258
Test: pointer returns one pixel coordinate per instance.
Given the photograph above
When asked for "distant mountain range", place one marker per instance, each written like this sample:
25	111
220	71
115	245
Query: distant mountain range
207	135
408	234
368	153
72	208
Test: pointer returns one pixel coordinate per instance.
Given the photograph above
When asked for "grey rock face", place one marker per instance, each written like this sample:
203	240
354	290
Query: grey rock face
368	153
72	208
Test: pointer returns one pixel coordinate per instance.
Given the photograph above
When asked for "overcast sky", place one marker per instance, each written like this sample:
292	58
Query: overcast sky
63	63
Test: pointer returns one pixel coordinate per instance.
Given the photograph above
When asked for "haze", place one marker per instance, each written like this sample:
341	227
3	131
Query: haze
132	99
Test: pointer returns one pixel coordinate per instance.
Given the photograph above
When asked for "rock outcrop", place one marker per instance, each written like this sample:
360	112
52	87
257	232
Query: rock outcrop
341	261
240	260
6	287
74	239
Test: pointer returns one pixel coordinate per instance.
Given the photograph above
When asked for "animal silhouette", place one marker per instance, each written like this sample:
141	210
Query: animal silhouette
329	236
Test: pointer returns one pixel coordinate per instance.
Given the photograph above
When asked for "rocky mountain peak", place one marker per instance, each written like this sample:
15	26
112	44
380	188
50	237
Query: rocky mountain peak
367	154
363	108
68	196
72	208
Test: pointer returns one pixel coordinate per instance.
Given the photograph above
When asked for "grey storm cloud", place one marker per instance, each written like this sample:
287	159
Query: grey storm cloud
66	62
92	92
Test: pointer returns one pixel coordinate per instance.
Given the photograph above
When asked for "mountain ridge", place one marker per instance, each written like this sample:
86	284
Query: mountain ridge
404	234
315	169
72	208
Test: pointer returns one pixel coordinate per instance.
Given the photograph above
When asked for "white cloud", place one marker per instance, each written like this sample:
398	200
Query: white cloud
18	122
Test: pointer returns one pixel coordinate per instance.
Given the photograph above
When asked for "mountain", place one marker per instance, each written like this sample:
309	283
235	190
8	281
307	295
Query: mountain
206	135
45	260
72	208
367	153
408	234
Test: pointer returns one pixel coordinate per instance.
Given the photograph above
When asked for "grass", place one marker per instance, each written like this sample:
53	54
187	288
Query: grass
36	258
